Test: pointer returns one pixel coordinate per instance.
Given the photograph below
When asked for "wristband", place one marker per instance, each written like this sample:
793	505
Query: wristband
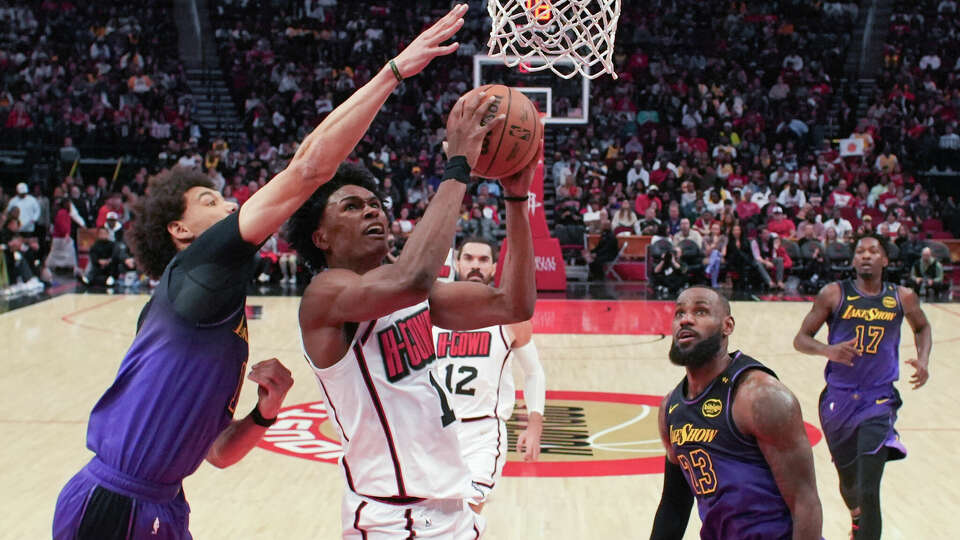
457	169
515	199
396	71
258	418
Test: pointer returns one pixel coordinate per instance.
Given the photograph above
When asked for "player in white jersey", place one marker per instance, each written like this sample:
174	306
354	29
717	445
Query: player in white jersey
366	331
476	368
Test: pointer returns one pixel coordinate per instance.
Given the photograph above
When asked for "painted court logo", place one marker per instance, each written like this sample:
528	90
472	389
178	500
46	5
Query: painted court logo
584	434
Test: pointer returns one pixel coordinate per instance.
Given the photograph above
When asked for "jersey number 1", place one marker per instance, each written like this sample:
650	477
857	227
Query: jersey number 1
447	417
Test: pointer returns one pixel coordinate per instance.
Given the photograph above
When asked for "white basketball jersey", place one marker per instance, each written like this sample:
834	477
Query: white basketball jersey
396	425
475	368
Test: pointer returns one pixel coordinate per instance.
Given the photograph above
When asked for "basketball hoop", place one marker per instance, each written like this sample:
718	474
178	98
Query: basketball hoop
552	30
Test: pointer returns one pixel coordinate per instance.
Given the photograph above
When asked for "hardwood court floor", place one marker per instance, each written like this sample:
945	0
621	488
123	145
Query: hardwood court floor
59	356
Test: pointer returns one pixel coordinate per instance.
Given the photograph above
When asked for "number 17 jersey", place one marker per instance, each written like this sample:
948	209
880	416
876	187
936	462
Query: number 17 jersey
737	496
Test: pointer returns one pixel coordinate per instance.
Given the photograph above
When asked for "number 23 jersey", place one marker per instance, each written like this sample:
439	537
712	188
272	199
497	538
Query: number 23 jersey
394	419
737	496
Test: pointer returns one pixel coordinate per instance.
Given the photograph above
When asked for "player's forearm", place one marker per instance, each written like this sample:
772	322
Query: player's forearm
331	142
809	345
519	276
924	340
676	501
427	247
235	442
807	517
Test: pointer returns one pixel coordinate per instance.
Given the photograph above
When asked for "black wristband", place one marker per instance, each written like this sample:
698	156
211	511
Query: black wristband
396	71
258	418
515	199
457	169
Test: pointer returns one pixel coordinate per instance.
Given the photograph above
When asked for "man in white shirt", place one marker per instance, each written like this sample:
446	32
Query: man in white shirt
29	208
638	173
842	227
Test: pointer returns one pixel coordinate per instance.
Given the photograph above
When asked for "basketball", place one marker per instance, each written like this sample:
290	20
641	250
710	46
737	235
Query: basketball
510	147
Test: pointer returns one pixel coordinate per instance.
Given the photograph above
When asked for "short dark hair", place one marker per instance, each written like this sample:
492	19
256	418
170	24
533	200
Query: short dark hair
152	245
301	225
724	303
879	238
479	240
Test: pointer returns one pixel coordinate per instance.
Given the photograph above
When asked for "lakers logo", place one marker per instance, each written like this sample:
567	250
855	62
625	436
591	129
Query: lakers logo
872	314
241	329
687	433
711	408
889	302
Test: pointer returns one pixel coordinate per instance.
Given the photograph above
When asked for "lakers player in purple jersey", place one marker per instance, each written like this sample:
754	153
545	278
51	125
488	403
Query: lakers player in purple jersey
734	437
859	405
366	330
172	403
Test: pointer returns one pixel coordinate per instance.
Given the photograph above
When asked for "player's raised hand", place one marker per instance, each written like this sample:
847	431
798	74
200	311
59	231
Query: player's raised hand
528	442
518	184
843	352
920	373
427	45
273	380
468	123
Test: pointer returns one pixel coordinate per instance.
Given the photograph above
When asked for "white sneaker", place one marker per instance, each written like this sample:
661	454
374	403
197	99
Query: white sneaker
293	280
263	278
110	281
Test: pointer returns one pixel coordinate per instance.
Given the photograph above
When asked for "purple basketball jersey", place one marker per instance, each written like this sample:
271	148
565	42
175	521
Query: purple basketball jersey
875	323
188	375
736	494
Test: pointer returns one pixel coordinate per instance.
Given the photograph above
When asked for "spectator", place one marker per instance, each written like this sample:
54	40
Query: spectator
687	233
839	225
63	253
625	221
714	253
780	225
740	259
669	274
926	274
29	209
604	252
638	175
889	227
104	264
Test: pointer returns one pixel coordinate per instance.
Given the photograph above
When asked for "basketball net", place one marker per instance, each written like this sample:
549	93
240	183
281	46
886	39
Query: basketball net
568	36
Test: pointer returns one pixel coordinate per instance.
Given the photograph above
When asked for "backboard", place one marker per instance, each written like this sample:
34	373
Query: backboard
560	101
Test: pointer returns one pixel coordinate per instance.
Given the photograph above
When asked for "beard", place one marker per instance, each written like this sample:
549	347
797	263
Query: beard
699	354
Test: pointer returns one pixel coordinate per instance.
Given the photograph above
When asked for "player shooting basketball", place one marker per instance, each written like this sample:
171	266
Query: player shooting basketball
476	368
366	330
172	402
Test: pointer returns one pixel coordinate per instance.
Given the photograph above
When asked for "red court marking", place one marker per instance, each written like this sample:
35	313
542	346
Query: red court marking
68	318
635	317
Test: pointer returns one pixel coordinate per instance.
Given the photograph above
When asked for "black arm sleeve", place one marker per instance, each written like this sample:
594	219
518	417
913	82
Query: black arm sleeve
208	280
675	504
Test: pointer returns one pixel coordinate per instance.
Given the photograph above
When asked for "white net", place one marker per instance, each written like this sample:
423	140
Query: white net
579	30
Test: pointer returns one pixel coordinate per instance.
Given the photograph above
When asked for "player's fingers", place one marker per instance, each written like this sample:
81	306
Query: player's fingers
447	31
494	124
446	49
476	105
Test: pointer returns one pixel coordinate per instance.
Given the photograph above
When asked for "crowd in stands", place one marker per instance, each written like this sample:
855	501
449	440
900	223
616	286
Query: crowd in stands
105	73
915	110
710	141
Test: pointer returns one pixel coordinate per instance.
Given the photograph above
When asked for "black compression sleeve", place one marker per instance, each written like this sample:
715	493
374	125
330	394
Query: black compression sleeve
675	504
208	280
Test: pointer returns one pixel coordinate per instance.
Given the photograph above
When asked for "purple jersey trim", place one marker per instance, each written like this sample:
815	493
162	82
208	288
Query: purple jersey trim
368	380
739	435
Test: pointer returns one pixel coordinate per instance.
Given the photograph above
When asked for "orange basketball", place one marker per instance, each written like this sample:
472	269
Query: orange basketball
510	147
